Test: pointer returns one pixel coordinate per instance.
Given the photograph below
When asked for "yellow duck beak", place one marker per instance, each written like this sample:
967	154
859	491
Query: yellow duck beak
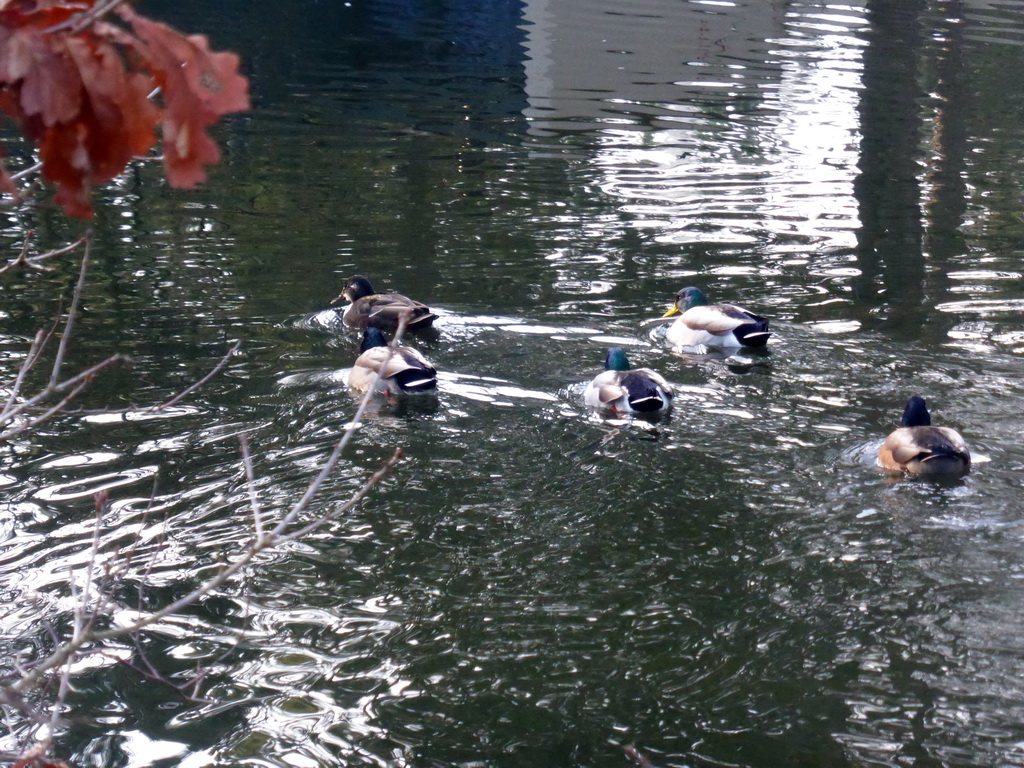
673	310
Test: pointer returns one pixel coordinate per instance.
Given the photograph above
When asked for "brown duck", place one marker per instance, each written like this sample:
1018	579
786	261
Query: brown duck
381	310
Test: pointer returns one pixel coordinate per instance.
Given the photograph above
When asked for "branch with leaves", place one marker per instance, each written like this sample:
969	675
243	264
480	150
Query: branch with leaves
79	77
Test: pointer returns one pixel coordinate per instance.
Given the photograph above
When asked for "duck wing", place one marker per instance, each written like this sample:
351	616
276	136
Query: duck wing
385	310
406	367
604	390
749	329
908	444
716	318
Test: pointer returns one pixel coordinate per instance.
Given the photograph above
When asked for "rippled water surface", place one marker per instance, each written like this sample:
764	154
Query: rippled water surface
734	584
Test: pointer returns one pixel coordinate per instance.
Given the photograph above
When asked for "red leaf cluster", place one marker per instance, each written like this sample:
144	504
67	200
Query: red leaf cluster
79	88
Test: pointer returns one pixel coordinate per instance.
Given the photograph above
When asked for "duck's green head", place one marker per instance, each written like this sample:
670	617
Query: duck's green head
916	413
372	338
687	299
616	360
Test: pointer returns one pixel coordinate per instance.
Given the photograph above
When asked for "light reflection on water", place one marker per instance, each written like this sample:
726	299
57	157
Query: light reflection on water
733	583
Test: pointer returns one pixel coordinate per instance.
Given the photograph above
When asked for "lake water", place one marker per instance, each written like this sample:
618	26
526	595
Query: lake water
734	584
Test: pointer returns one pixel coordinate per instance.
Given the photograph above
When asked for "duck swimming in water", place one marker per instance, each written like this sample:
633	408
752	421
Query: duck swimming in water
405	372
381	310
921	449
621	388
723	326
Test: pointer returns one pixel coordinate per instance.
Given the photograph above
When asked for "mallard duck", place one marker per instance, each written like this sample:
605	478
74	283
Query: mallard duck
622	389
713	325
922	449
381	310
406	371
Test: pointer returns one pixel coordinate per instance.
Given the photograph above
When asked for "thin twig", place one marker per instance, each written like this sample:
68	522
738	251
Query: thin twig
26	171
35	351
194	386
69	326
37	420
87	590
50	728
65	385
151	562
23	369
22	260
14	410
353	501
167	403
80	21
61	655
250	484
76	384
314	487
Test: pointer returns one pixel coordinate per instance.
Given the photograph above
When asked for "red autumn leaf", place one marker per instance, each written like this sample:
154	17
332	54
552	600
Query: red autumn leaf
198	87
114	121
48	83
15	54
66	162
85	104
121	117
39	14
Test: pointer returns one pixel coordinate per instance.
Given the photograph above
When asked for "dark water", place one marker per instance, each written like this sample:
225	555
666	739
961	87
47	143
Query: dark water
538	585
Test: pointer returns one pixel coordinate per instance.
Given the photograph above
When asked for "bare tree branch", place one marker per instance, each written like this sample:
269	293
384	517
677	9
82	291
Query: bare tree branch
93	598
69	325
250	483
193	387
23	260
27	171
76	383
279	534
33	352
18	416
67	651
80	21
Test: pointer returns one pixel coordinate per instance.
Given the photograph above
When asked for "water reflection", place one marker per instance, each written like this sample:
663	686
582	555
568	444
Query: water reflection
776	112
601	63
732	584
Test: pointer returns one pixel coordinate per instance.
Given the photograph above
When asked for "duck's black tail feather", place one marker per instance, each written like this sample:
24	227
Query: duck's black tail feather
421	319
644	395
417	379
753	334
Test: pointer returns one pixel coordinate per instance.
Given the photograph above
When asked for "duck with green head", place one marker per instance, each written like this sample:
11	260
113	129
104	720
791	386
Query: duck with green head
721	326
381	310
622	388
403	371
921	449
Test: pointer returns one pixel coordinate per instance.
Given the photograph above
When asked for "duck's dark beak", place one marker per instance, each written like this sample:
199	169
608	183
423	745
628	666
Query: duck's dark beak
338	299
